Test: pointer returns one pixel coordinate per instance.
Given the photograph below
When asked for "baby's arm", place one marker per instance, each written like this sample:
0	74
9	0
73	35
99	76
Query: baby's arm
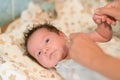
103	32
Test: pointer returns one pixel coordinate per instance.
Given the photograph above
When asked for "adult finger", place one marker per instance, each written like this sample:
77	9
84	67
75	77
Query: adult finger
113	12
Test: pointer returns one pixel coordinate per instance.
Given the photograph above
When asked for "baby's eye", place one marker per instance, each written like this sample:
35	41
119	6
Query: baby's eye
47	40
39	53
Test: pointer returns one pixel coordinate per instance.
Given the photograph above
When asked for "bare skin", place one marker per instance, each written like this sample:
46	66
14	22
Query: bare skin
48	48
111	9
85	51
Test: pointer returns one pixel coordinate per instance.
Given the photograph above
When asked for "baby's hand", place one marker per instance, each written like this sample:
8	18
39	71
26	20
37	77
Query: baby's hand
104	18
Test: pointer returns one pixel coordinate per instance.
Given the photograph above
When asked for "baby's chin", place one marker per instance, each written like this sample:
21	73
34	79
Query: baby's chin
52	63
50	66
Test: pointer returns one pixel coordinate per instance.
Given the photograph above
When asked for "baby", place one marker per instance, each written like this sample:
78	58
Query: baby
48	45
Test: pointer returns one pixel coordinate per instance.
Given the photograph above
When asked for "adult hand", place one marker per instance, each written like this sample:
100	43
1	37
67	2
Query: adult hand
86	52
112	9
83	49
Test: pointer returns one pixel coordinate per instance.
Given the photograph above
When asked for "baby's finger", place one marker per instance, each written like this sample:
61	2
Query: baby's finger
98	21
113	23
110	20
97	16
104	18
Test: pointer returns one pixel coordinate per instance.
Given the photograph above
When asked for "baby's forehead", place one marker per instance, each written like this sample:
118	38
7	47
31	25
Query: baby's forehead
41	30
49	30
42	33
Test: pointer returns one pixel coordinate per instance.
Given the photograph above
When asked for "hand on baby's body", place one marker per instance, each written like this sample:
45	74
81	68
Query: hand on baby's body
83	49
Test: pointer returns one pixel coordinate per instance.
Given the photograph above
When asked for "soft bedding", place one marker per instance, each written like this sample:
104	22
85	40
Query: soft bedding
69	16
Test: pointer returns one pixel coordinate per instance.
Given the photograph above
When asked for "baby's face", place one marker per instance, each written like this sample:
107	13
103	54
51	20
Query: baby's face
48	48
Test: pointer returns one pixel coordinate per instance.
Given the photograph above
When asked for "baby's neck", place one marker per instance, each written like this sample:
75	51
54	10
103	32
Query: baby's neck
68	47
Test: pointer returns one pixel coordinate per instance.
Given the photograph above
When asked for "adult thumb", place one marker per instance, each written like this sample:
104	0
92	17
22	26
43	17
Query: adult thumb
113	12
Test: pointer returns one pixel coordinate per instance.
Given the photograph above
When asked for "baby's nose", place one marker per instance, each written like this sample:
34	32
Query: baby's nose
45	50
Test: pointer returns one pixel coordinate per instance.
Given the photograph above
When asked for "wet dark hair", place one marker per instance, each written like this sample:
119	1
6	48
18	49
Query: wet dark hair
47	26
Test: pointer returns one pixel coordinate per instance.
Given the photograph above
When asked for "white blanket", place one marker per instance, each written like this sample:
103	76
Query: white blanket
72	16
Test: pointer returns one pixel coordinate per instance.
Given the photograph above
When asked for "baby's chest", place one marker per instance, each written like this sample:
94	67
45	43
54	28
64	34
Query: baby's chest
70	70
